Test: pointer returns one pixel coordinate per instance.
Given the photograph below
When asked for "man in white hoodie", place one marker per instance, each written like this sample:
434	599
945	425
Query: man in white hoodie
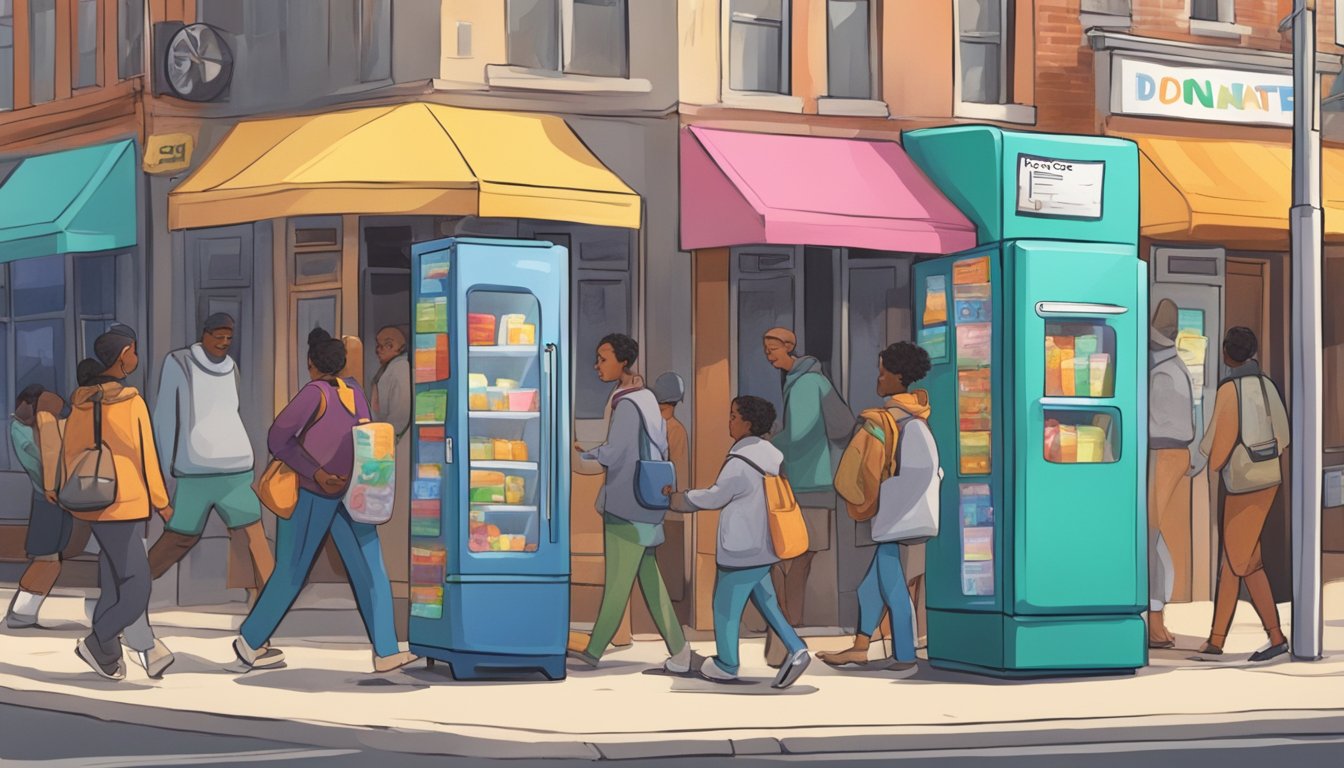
745	550
204	445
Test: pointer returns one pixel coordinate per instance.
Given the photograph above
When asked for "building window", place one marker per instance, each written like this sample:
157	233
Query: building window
130	38
375	40
984	27
1213	10
849	49
582	37
6	55
85	67
758	46
42	49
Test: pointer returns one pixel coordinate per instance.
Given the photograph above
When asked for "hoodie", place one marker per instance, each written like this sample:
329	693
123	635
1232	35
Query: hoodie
196	420
802	437
130	438
864	466
739	492
620	453
1171	402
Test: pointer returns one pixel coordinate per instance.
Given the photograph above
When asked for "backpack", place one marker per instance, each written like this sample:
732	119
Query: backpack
1262	434
278	486
91	484
788	530
908	504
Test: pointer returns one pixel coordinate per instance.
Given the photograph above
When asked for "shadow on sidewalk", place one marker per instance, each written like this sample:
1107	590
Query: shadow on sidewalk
88	679
329	681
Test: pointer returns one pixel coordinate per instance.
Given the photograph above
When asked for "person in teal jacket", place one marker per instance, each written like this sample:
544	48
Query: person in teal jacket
812	409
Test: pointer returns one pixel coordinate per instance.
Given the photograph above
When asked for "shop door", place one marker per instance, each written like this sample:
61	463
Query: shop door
1194	278
1256	299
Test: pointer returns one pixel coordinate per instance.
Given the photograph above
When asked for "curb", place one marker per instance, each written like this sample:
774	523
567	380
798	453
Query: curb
724	743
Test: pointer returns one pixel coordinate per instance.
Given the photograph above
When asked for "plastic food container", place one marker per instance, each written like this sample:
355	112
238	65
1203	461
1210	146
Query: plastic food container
482	449
515	490
523	400
498	398
480	329
501	450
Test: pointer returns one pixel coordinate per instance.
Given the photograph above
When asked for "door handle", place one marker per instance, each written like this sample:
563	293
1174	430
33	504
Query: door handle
551	428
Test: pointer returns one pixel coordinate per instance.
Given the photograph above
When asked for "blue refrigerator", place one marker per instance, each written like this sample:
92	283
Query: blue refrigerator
489	538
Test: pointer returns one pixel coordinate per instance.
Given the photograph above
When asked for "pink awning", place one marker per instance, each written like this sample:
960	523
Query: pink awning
757	188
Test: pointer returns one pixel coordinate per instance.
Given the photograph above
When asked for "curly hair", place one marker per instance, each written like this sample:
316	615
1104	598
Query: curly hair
756	411
327	354
1240	344
623	347
906	360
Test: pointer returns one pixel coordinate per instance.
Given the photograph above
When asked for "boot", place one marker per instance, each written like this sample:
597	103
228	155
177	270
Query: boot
168	551
855	654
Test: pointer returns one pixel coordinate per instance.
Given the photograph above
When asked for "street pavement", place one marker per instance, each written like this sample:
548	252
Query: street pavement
328	699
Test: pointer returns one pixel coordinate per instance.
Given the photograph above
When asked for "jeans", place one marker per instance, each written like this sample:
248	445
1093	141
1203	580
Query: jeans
884	585
123	583
732	588
298	541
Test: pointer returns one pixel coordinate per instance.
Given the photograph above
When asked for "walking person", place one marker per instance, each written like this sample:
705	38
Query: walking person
1171	432
875	454
391	394
312	435
631	532
745	552
1244	443
204	446
813	415
103	407
35	433
670	390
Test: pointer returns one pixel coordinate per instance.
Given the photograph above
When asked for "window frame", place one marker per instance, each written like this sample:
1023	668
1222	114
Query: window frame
49	63
1226	12
129	66
367	74
76	40
874	52
737	274
10	56
564	35
1005	44
785	53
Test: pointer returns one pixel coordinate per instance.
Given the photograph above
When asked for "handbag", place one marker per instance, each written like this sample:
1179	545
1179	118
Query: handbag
92	482
652	475
1254	464
278	486
788	529
371	495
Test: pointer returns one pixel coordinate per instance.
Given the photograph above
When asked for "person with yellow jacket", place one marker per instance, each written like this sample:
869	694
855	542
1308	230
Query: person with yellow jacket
865	464
124	577
1244	443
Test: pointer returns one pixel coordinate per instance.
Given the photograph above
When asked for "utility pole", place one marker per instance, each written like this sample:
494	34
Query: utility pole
1306	233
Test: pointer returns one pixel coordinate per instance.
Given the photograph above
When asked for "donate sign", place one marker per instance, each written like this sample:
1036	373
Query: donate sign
1201	93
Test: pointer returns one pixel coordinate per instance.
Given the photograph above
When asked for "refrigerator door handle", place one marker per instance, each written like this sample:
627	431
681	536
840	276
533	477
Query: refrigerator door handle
1076	308
551	430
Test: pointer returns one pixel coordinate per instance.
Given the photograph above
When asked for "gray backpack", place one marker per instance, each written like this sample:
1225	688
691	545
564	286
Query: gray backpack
91	484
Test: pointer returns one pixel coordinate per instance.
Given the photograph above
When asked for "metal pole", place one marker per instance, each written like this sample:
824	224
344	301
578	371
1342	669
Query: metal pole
1305	222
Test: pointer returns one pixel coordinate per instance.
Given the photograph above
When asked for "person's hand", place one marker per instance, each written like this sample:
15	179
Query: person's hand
51	497
328	482
578	448
166	513
668	490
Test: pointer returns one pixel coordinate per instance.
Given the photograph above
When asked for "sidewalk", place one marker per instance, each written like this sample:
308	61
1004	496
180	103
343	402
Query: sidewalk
328	696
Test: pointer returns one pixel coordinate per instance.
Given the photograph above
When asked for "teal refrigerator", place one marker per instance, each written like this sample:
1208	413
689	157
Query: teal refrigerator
1038	339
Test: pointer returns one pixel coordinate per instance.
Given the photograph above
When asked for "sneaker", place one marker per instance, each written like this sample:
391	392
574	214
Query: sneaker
264	658
793	669
1271	652
582	656
155	661
19	621
113	670
712	672
384	664
681	663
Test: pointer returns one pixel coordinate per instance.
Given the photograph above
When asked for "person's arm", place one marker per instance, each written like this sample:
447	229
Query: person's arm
283	437
398	405
860	474
149	457
47	443
172	383
799	423
1223	432
731	483
622	436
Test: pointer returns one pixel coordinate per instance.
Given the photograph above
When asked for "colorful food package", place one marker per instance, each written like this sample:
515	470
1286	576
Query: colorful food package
1103	380
371	494
487	487
506	384
507	322
481	449
480	329
523	400
1091	445
515	490
502	449
519	450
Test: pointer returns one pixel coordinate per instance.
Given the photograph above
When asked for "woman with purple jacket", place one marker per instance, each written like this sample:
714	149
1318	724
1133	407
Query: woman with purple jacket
312	435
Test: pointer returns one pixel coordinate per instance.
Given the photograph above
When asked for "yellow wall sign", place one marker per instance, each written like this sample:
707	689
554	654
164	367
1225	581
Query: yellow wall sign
168	152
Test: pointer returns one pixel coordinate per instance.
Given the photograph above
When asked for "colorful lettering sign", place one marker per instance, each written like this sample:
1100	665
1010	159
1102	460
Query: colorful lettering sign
1201	93
167	153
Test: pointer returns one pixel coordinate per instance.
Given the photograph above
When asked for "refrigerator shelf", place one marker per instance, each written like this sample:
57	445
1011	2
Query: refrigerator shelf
502	508
526	466
508	415
502	351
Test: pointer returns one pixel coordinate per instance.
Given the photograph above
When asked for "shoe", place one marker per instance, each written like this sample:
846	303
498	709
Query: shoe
712	672
922	643
264	658
578	641
847	656
1270	652
1209	649
20	621
384	664
1159	645
583	656
114	670
680	663
155	661
792	669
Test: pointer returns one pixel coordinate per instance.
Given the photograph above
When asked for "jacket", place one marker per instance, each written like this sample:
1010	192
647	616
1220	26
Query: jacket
1171	400
1224	433
393	392
802	437
620	454
196	419
739	492
863	466
130	438
328	444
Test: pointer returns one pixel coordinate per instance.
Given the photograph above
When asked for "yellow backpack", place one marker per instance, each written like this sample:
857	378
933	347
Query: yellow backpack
788	531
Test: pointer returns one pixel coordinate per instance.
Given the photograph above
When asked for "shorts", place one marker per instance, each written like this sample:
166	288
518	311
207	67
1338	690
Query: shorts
49	528
229	495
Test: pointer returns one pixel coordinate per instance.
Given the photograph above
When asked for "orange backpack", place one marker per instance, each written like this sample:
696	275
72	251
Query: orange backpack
788	531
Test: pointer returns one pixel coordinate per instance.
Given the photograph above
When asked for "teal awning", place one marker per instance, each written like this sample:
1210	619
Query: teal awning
76	201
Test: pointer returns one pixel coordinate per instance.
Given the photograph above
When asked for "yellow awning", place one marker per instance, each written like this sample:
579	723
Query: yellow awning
1224	192
425	159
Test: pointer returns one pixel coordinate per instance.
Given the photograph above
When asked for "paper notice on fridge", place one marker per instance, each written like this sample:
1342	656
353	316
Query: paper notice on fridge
968	271
1056	187
935	300
934	341
977	544
1191	348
